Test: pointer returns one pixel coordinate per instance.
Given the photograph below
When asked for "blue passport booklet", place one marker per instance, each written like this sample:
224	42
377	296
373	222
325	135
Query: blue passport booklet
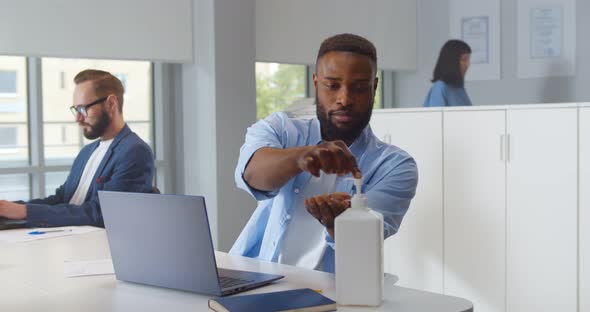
304	299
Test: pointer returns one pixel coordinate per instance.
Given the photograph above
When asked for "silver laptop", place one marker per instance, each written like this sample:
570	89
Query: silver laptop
165	240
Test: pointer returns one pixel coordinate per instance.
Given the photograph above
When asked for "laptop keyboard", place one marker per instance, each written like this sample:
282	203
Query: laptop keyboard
227	282
6	224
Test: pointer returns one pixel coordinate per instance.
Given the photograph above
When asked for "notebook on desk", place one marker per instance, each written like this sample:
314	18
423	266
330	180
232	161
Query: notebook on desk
165	240
304	299
7	224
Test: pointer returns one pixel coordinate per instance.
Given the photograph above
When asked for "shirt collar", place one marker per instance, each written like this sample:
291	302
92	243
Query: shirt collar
114	141
360	144
315	134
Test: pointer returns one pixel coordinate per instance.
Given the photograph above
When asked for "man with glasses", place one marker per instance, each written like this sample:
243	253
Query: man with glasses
118	161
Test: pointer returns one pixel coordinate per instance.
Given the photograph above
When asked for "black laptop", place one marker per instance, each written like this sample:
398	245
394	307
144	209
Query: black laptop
7	224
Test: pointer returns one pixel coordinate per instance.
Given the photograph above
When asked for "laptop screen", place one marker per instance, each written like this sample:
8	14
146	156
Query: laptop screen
161	240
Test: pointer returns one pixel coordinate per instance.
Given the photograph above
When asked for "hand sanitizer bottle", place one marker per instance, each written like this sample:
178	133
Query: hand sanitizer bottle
359	253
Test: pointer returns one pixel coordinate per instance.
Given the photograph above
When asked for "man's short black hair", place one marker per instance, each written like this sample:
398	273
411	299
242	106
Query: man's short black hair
348	43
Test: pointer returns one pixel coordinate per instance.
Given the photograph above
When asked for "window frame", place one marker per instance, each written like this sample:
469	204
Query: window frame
9	145
11	94
37	168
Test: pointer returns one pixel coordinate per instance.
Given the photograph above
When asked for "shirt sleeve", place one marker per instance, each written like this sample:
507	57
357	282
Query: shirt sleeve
57	198
436	96
134	173
265	133
391	196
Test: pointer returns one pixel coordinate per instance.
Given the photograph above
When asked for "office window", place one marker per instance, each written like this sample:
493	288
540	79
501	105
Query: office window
14	139
36	156
281	87
62	80
53	180
63	137
278	86
379	92
123	78
14	187
8	82
8	136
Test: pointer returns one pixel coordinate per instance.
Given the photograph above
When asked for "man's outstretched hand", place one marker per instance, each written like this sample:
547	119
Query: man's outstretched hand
12	210
332	157
326	207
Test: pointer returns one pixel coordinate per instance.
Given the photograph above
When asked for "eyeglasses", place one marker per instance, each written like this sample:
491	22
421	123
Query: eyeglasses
83	109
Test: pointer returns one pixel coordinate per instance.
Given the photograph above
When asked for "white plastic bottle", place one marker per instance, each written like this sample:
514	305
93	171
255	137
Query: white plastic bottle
359	253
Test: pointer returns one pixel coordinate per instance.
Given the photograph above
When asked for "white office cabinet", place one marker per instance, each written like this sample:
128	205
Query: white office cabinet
541	218
415	252
584	209
474	207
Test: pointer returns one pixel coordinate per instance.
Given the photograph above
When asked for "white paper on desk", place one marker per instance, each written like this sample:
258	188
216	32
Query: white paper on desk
86	268
22	235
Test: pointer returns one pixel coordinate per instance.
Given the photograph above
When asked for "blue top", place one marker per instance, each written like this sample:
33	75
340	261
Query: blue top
128	166
443	94
389	173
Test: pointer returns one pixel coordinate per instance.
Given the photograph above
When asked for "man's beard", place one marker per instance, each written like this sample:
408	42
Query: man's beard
98	129
330	132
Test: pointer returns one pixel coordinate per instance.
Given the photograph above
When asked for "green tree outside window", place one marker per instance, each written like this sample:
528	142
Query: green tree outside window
278	87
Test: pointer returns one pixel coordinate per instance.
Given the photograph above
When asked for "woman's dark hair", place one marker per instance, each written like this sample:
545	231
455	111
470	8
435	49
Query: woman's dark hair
447	66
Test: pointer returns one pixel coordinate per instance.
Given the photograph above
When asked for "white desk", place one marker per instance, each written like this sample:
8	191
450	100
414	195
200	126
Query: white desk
32	279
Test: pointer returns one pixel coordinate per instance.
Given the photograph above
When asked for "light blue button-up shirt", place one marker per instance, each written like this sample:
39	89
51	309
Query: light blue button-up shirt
389	173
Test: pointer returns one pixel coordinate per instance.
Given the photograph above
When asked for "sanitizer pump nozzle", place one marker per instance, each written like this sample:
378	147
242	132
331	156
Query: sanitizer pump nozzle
358	200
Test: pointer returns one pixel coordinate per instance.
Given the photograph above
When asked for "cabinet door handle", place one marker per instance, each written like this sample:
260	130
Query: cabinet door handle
502	147
507	147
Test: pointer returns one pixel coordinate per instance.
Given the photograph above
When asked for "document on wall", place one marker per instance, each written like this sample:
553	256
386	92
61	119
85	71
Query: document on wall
33	234
546	31
87	268
477	22
546	38
475	31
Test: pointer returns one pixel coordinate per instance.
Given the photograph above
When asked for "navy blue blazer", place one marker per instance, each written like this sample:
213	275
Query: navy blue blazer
128	166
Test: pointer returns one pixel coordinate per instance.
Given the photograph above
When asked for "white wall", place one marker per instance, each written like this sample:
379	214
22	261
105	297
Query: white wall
584	209
131	29
290	31
410	88
218	104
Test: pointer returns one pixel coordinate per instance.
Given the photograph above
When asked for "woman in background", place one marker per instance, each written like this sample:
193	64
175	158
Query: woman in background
449	75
